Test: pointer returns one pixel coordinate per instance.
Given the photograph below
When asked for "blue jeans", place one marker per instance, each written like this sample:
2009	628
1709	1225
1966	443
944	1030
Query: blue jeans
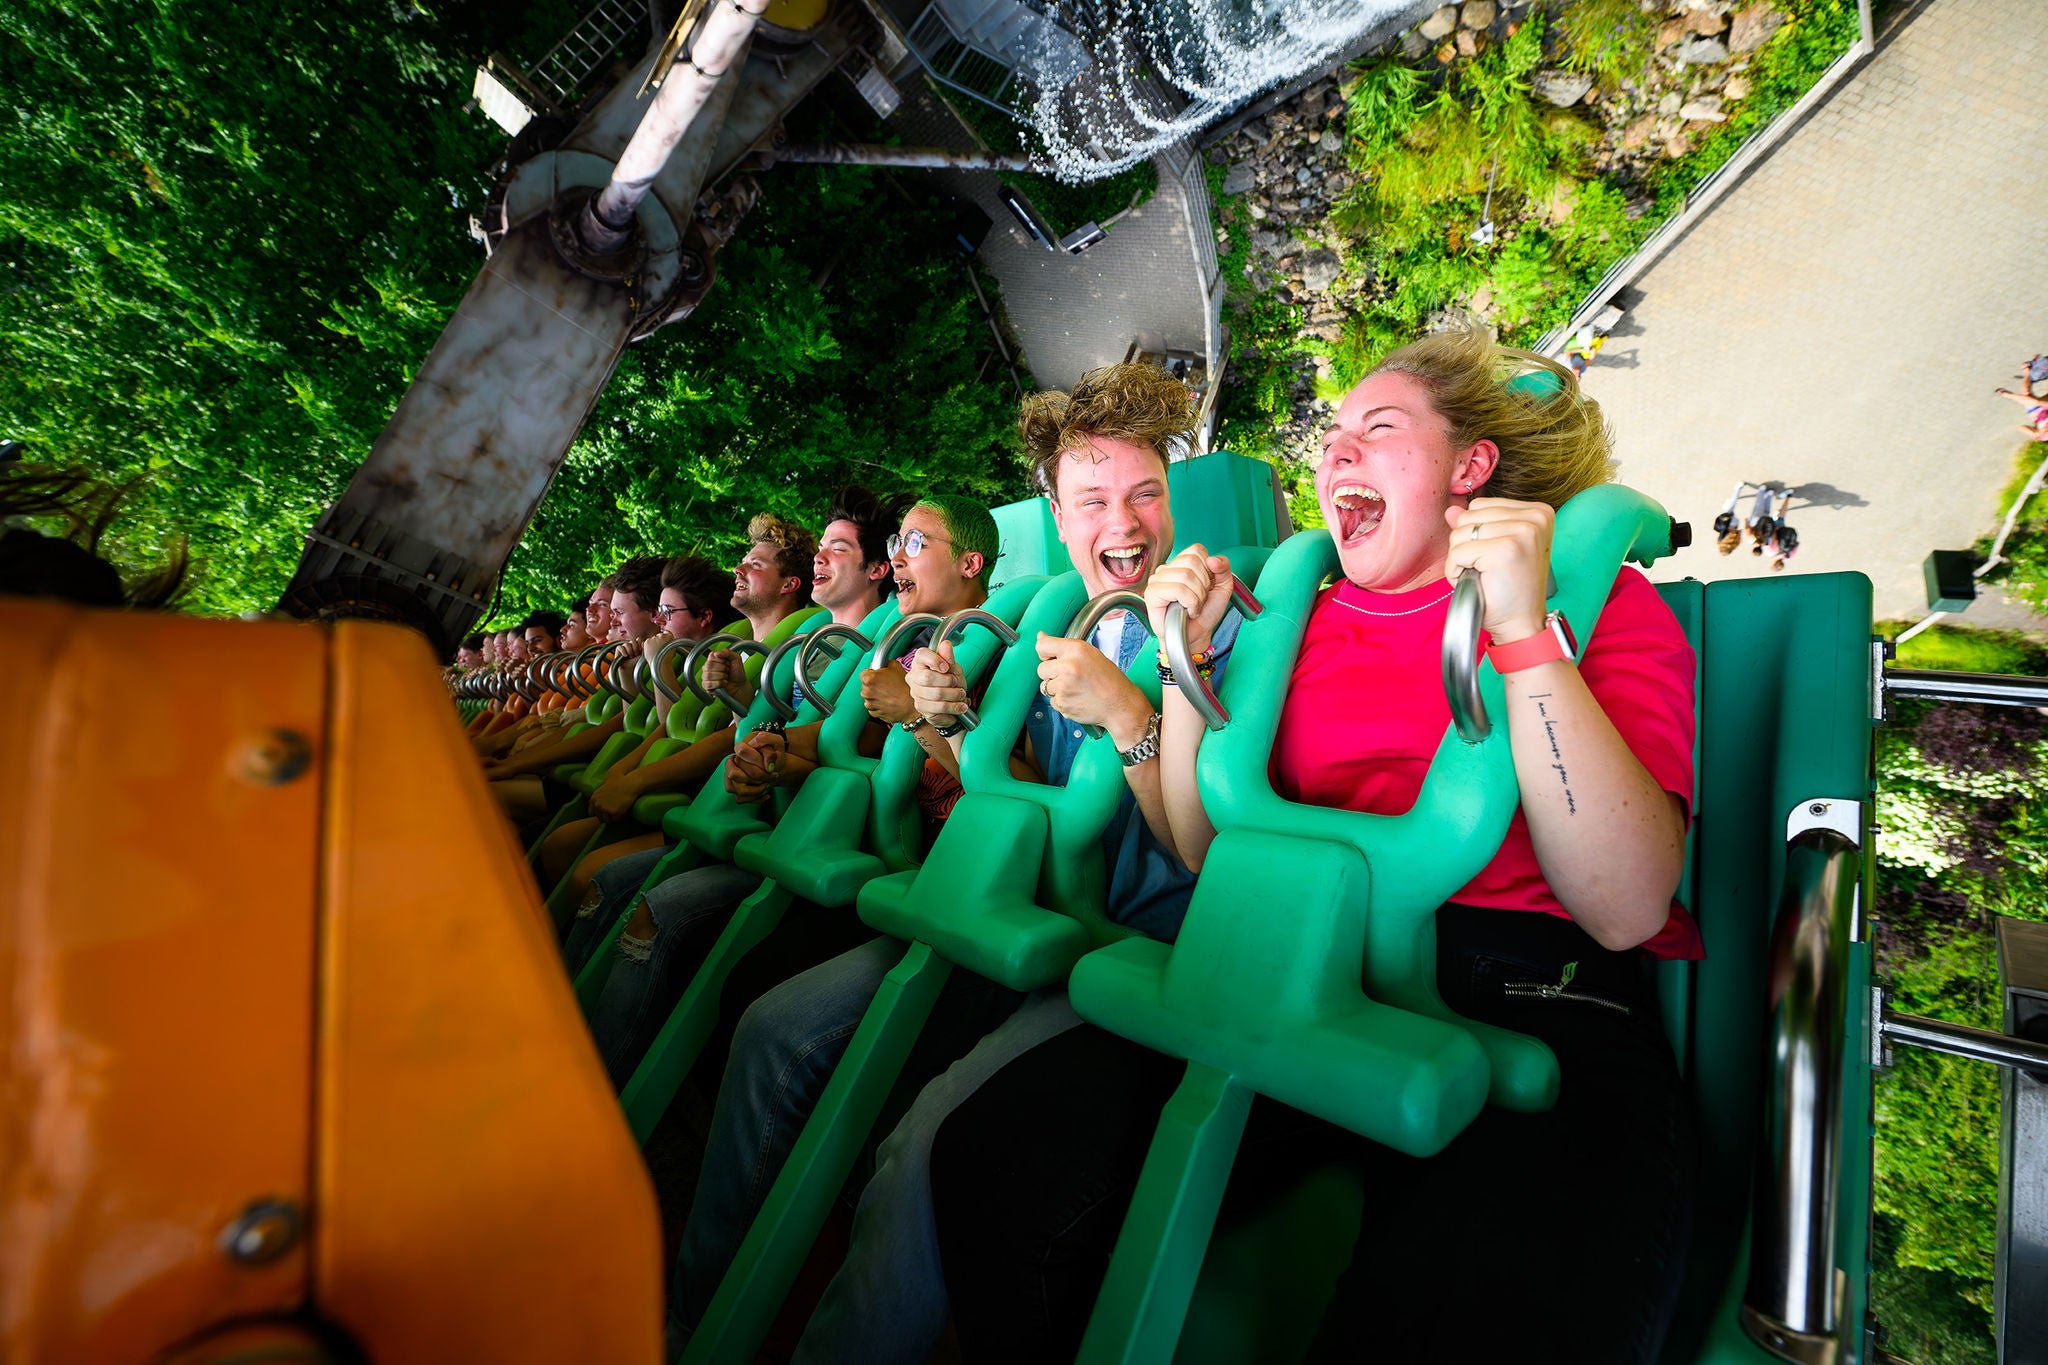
649	975
783	1053
611	891
888	1302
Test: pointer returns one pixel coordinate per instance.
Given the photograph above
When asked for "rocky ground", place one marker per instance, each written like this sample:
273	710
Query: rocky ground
1287	168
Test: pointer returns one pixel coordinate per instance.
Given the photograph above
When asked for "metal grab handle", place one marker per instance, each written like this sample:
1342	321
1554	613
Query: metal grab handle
724	695
806	655
1174	644
893	639
583	670
607	665
1091	615
1461	659
695	658
661	682
952	628
637	673
782	709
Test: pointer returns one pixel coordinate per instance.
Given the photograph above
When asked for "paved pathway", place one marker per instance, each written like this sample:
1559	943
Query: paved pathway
1073	313
1839	320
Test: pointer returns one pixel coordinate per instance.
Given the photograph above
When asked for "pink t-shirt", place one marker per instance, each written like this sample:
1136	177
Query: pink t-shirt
1366	711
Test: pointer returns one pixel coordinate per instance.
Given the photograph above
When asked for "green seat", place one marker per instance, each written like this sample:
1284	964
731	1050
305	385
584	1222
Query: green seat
688	715
1013	890
1277	1007
1783	720
709	824
853	819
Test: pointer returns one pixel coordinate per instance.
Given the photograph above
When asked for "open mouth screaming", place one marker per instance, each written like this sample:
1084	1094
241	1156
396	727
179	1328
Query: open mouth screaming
1126	566
1359	511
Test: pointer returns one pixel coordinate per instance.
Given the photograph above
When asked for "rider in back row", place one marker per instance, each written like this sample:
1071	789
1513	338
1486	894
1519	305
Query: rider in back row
997	1198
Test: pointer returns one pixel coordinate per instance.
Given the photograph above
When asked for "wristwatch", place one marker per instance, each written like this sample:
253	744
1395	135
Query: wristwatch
947	731
1147	747
1554	641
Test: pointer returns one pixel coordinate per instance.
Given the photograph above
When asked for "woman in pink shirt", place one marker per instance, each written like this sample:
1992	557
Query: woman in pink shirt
1532	1237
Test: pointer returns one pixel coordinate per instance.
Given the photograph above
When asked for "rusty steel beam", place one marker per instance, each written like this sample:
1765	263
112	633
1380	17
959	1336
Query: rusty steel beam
913	158
721	42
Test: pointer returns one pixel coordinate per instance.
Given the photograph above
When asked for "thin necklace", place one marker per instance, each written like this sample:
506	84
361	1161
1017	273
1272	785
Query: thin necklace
1448	590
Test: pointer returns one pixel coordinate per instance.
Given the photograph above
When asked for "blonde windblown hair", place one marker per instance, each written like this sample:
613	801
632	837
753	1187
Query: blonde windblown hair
1553	440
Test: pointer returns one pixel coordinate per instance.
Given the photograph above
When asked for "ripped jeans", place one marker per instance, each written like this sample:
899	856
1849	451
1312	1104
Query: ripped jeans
649	975
611	892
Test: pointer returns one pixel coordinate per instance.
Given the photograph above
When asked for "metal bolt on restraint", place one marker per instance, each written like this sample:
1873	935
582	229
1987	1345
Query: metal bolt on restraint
278	757
266	1230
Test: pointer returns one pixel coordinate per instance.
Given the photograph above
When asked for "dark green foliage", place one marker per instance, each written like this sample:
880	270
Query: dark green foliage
1926	1316
231	233
228	235
1611	39
1963	836
781	388
1427	141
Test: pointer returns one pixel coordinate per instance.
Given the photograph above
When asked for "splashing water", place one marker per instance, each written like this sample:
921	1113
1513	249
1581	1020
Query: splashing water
1163	69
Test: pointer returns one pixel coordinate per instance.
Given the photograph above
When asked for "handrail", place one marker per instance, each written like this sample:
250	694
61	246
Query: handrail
951	629
1709	188
1789	1305
1091	615
584	683
1998	689
695	658
782	709
635	673
893	638
832	630
724	695
607	666
661	682
1955	1040
1173	643
1461	659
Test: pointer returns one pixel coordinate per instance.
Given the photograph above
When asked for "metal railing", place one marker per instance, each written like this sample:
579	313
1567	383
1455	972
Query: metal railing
1710	188
1996	689
564	69
958	64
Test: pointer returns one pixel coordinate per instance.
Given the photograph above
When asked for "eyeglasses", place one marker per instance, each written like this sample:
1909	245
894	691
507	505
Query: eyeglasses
664	611
913	544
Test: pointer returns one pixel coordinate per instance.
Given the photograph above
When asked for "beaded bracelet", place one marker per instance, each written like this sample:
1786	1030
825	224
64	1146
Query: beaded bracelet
1205	667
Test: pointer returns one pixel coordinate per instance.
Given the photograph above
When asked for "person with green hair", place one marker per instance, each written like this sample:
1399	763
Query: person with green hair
969	525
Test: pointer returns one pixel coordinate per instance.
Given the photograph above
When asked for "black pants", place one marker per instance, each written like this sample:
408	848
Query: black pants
1532	1237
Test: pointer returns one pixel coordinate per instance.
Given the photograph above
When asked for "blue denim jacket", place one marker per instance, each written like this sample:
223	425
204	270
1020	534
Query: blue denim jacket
1149	888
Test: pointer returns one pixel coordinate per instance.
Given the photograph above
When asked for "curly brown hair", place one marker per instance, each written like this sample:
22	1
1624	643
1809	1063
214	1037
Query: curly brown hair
1132	402
796	548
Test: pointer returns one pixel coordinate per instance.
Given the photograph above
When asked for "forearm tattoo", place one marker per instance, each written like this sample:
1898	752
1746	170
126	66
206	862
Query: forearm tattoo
1571	805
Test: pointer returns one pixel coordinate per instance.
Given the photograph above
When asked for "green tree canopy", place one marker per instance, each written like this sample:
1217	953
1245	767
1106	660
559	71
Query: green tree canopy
230	235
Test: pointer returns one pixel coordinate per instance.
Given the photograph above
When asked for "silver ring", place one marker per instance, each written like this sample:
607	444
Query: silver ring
1476	527
1045	687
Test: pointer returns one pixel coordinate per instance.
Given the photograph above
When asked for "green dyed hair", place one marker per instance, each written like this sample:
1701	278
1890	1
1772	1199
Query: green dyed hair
970	525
